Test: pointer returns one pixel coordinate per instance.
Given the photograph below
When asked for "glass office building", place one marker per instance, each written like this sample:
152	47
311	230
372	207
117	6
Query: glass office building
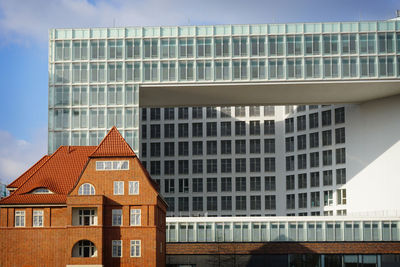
95	74
225	160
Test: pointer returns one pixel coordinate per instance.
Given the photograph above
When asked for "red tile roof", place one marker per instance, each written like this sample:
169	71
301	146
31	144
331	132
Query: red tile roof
61	171
113	145
25	176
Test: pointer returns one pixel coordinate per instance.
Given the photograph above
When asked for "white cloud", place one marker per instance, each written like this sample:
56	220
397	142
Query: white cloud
16	156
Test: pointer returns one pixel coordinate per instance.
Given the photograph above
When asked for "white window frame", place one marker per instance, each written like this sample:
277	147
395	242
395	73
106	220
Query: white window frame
133	187
37	218
116	243
19	218
119	187
115	165
134	245
92	215
86	188
136	217
115	213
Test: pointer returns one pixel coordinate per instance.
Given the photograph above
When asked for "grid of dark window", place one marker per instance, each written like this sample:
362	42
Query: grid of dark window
269	145
290	163
211	112
290	202
169	149
183	185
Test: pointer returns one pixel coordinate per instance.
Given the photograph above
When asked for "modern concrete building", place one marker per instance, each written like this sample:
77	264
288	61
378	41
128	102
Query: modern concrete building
277	119
3	190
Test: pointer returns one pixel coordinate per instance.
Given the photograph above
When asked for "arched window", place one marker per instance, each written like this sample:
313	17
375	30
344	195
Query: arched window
86	189
84	249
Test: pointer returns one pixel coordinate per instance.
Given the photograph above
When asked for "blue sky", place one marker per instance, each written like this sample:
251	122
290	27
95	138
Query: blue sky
24	28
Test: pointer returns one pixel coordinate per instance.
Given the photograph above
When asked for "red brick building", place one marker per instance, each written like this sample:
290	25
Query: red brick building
94	206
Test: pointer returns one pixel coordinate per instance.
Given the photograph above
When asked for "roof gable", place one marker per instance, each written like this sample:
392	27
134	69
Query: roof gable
113	145
25	176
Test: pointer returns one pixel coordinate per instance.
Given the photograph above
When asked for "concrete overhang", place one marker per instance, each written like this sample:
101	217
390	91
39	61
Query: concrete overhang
271	93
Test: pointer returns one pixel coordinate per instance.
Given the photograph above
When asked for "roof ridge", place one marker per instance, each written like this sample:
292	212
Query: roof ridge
113	145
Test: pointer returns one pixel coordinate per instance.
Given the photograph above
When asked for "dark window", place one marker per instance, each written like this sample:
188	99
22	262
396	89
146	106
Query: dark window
212	165
301	123
326	118
269	127
240	146
289	125
301	142
169	130
183	148
340	136
211	147
255	146
211	129
226	128
197	129
254	128
183	130
155	114
183	113
169	149
155	131
240	165
269	164
169	113
197	147
327	138
339	115
313	120
240	128
226	147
